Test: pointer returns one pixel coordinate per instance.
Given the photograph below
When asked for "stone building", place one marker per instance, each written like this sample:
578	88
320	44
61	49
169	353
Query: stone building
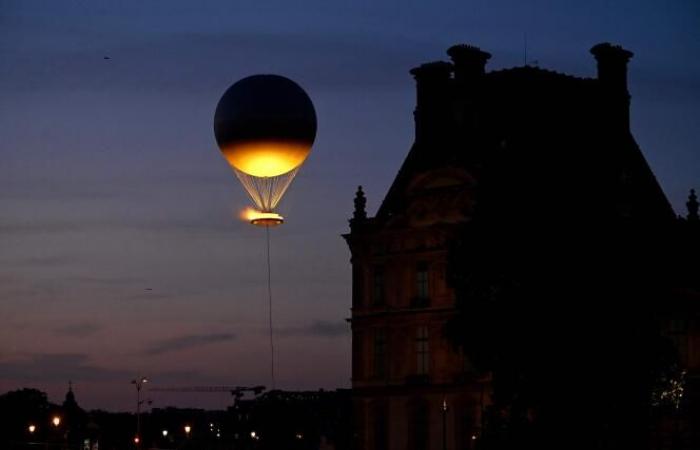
540	136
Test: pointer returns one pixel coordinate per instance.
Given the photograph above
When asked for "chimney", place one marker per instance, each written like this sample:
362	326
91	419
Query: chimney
469	67
469	62
612	75
432	113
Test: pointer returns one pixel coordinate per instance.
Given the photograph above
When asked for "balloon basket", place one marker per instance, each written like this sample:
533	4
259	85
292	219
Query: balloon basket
267	219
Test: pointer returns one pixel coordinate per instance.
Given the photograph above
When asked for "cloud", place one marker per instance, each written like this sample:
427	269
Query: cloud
189	341
8	227
147	62
61	367
39	261
57	366
193	226
318	328
78	330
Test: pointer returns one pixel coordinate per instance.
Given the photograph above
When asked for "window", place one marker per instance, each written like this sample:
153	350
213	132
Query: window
358	280
380	411
422	351
422	286
378	286
379	354
420	425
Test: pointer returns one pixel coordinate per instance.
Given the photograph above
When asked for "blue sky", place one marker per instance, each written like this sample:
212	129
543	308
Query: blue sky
111	182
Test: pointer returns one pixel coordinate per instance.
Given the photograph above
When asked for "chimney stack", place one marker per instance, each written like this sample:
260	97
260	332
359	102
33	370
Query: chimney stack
469	62
469	67
612	75
432	113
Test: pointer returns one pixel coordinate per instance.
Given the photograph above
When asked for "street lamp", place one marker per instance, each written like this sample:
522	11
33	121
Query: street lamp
165	433
444	423
56	421
188	429
138	382
31	428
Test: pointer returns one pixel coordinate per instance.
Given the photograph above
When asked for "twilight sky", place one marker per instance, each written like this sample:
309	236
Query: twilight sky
121	251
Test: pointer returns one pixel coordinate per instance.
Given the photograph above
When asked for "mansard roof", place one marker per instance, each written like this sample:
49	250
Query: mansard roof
558	126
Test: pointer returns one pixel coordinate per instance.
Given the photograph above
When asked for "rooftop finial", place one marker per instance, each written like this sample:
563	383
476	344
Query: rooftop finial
360	203
692	205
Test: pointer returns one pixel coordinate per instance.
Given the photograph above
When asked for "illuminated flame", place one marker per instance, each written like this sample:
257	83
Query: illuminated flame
260	217
248	214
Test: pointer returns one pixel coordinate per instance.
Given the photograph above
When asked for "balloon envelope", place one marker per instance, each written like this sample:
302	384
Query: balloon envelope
265	125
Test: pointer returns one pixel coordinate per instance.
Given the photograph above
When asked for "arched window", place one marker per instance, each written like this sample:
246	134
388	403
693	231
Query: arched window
378	286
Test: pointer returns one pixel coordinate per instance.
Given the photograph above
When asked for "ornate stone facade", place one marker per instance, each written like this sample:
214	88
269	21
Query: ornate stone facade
548	134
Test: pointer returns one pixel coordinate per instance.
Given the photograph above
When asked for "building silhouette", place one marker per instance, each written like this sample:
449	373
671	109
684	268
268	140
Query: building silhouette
522	145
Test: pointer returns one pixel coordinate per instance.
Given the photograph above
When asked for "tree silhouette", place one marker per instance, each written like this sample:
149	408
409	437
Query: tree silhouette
567	316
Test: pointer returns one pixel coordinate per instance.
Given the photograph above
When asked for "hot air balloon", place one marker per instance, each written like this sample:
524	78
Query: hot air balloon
265	126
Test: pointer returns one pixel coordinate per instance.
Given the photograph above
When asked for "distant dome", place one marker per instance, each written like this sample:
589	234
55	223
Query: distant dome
265	125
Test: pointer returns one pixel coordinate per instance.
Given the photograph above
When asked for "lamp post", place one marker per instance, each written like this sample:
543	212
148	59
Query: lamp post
31	429
444	424
56	422
138	382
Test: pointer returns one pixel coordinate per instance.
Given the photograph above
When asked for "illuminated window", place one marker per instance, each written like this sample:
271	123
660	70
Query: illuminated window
378	286
379	354
422	351
422	286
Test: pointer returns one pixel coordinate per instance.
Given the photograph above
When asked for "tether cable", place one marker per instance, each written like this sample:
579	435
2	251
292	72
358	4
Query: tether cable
269	300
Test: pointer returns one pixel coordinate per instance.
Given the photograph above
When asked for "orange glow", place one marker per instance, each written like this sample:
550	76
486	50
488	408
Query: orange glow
266	159
249	214
261	218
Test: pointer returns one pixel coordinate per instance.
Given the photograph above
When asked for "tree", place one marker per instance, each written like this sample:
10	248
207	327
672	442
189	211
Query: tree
567	322
19	409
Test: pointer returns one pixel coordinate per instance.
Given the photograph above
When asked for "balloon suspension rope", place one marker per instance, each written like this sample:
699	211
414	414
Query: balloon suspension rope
269	299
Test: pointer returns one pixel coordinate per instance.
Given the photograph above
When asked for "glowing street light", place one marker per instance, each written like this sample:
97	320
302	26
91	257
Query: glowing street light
445	409
138	382
31	428
165	433
56	421
188	429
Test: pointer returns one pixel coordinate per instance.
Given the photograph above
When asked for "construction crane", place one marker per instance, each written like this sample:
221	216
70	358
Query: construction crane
236	391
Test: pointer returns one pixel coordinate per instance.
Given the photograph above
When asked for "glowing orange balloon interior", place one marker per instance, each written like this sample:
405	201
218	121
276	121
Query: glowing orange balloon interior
266	159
